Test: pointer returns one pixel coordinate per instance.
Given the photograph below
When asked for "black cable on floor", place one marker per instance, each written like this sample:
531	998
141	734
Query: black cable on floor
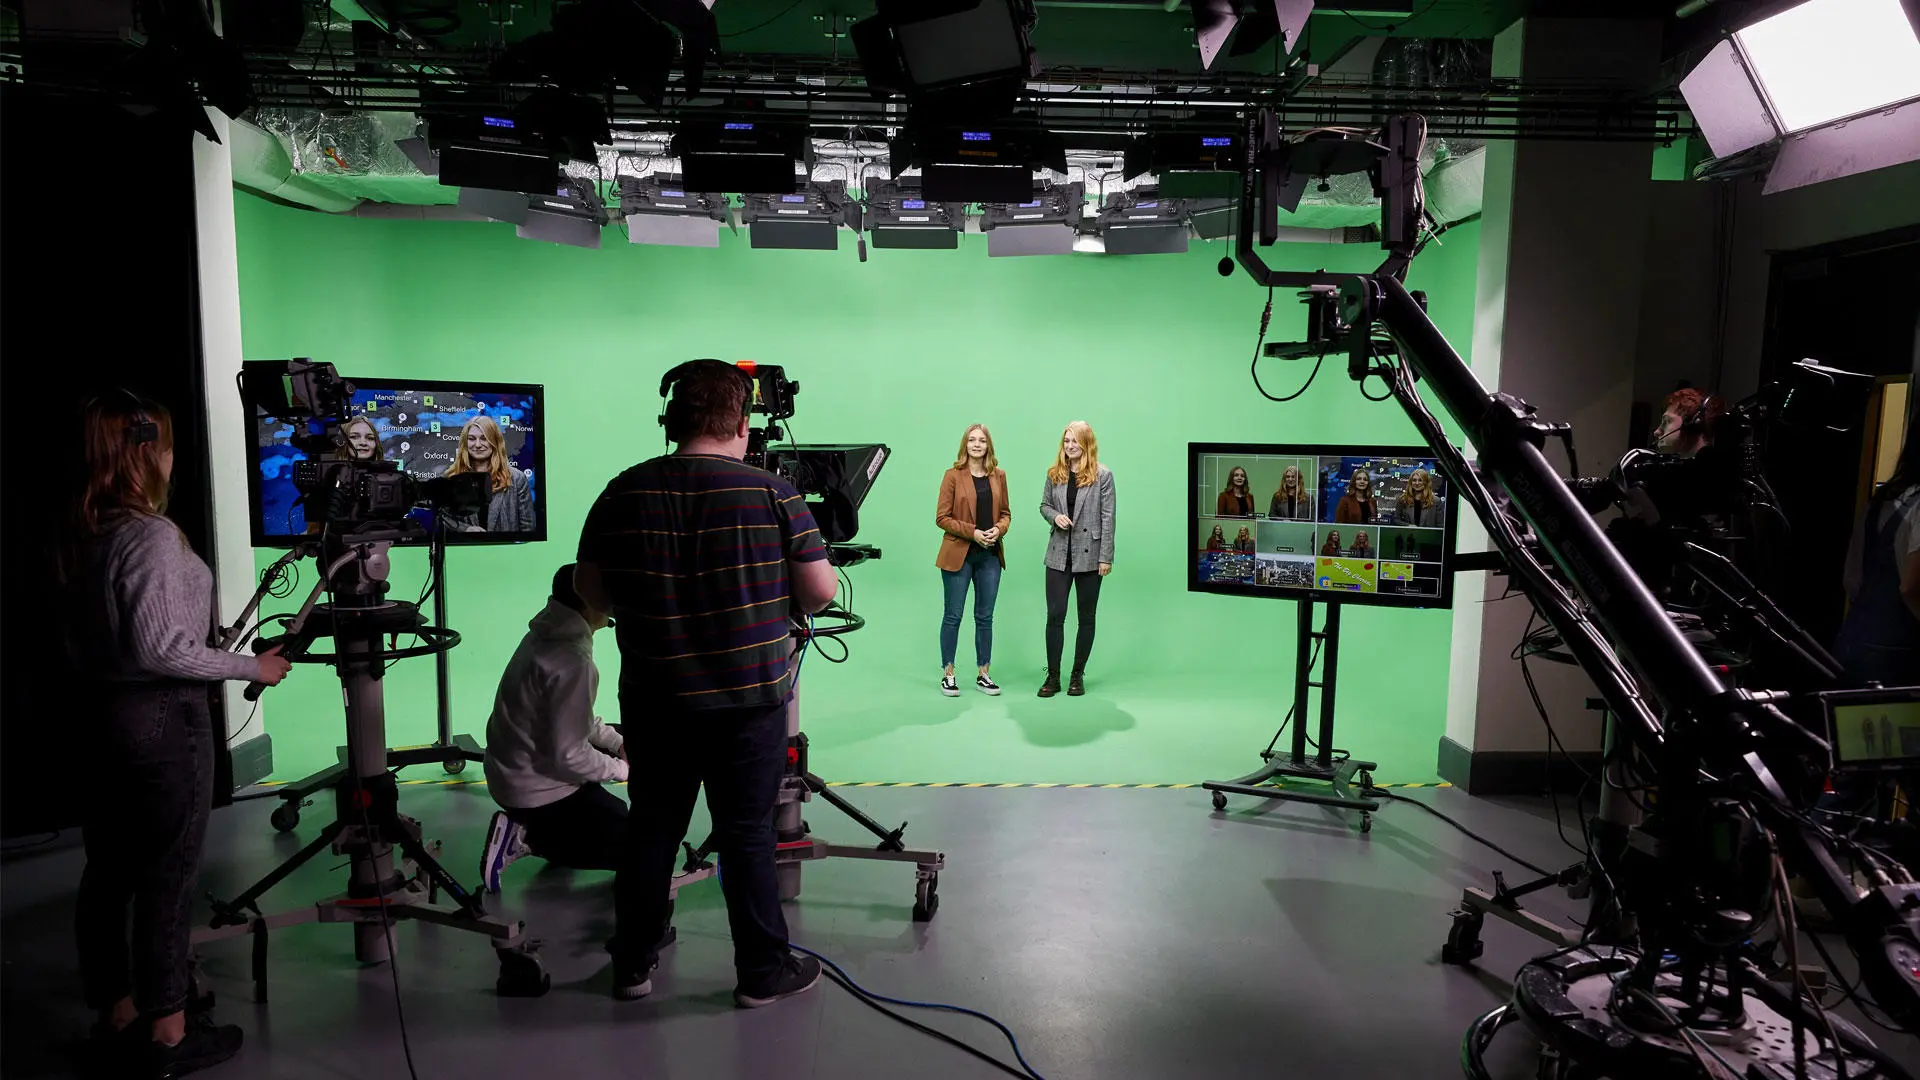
1382	793
386	928
845	982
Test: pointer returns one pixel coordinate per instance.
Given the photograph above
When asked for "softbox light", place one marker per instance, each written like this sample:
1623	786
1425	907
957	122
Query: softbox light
663	210
1250	27
1806	67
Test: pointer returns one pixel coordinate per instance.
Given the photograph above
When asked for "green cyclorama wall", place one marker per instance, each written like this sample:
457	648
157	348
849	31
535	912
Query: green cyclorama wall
906	349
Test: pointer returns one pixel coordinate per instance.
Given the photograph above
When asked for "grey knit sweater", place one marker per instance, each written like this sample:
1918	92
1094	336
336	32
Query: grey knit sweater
143	609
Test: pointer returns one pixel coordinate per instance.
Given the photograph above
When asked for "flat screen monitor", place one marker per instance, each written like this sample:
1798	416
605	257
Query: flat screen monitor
1341	524
1874	730
429	429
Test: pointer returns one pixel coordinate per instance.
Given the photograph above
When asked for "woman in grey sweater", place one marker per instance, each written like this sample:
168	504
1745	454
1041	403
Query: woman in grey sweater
1078	504
140	619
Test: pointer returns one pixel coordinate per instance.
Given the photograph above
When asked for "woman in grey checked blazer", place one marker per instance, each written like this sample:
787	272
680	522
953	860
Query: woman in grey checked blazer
1078	505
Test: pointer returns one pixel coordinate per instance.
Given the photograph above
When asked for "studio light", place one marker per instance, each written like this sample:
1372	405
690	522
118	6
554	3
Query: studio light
574	215
953	59
746	156
663	210
808	220
496	151
1043	225
1214	219
1803	68
1251	26
988	163
592	45
1140	222
899	215
1189	164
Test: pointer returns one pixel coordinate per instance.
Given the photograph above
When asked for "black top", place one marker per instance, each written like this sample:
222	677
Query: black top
983	514
1073	494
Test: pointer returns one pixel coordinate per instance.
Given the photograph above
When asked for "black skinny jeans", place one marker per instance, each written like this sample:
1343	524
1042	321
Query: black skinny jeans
740	755
145	832
587	830
1087	584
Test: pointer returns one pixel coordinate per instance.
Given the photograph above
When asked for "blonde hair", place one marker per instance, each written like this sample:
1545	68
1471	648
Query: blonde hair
1426	493
497	465
1089	468
992	463
1300	486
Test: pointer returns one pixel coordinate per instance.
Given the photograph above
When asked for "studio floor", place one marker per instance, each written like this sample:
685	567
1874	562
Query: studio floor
1120	933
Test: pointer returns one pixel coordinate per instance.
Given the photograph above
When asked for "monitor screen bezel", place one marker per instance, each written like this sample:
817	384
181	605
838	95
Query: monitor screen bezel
1197	450
1830	700
542	498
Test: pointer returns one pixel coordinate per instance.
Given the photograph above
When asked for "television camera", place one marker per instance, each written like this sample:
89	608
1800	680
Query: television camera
363	507
835	477
337	489
1701	913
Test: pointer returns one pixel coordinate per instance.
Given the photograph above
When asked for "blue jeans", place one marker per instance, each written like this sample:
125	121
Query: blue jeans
982	571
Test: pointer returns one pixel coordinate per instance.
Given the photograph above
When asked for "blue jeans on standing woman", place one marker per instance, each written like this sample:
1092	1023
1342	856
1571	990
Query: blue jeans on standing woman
982	571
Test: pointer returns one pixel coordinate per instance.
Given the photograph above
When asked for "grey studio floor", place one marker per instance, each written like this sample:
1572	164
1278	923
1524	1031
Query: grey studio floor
1121	933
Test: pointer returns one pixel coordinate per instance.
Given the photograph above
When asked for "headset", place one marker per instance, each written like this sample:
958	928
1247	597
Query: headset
141	428
1697	419
671	379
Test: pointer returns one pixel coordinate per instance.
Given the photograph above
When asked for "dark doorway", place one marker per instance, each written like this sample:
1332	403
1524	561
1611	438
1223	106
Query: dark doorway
1854	305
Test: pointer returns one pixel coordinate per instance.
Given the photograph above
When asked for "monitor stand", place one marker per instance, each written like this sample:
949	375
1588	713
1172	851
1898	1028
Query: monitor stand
1336	769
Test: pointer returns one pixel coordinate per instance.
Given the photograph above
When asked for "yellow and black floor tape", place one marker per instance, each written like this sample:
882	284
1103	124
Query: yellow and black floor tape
456	781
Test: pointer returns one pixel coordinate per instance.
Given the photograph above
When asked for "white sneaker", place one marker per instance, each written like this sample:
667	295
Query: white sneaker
949	687
506	844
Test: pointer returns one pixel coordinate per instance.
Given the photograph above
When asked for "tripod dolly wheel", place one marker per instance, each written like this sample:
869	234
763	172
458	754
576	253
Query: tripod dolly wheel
1366	780
1219	800
1463	945
926	901
285	817
454	766
1366	822
521	974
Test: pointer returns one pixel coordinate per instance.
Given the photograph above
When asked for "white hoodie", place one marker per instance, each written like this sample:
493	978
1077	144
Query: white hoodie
543	740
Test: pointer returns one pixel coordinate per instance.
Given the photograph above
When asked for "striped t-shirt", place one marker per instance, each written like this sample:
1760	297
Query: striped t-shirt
693	550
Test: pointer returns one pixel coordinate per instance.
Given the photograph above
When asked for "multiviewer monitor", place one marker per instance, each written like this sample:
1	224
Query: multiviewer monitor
1346	524
429	429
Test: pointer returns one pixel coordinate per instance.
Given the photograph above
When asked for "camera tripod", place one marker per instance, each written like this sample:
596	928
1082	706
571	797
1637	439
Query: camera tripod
448	750
368	826
795	844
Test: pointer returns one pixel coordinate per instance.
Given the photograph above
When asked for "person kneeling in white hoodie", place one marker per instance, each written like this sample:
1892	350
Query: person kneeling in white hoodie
548	754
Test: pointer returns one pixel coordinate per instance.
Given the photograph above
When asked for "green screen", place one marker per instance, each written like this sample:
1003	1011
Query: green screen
907	348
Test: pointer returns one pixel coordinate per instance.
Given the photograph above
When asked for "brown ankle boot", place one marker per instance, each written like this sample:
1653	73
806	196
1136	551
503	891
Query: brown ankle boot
1052	685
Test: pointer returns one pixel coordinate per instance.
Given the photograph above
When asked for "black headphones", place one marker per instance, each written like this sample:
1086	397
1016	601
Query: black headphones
141	428
681	371
1698	418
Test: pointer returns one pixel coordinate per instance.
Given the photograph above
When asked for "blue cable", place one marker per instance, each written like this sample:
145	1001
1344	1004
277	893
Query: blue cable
864	992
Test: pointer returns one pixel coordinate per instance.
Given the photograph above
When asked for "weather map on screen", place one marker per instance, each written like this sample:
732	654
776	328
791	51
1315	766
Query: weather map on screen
428	430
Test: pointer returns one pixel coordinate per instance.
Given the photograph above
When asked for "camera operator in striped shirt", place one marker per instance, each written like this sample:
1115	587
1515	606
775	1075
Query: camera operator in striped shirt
705	562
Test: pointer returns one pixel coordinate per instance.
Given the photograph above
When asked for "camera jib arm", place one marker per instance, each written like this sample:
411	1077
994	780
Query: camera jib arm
1719	753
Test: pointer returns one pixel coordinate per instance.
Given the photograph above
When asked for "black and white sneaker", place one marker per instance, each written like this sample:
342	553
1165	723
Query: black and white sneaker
631	982
949	687
796	976
987	686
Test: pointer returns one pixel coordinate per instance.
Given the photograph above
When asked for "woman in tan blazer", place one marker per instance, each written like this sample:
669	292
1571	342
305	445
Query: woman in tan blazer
973	515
